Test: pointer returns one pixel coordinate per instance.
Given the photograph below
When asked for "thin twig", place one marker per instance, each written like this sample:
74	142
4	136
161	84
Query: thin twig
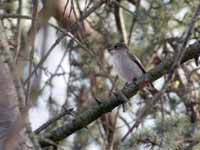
143	112
134	21
53	120
95	111
44	58
18	30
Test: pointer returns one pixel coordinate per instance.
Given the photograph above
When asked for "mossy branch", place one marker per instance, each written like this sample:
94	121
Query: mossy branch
92	113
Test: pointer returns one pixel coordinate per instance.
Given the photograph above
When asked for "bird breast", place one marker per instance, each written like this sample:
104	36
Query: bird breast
125	67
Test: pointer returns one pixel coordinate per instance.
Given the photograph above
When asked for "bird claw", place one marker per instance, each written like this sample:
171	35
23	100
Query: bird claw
133	81
143	84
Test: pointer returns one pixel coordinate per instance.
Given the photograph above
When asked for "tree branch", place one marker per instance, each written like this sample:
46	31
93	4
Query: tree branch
96	111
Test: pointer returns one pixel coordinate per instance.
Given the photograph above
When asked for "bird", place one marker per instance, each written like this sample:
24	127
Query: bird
127	66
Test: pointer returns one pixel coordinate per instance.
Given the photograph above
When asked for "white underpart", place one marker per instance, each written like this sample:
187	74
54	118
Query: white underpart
125	67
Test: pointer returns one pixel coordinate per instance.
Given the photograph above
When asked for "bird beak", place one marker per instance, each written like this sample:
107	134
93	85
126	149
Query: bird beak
110	50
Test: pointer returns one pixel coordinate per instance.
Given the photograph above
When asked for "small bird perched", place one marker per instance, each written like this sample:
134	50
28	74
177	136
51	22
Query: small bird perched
128	67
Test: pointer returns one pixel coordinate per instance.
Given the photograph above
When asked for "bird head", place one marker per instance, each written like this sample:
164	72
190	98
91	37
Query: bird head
118	48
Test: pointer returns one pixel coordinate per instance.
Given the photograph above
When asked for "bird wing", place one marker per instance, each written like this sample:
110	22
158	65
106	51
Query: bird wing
138	62
151	88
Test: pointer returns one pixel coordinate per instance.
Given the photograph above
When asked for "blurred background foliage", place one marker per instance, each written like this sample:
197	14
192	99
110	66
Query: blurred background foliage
152	29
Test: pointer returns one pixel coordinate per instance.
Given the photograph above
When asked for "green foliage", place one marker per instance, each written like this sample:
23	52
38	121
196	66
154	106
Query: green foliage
172	132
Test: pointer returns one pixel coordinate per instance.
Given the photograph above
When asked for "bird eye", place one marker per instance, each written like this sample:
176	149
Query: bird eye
117	46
